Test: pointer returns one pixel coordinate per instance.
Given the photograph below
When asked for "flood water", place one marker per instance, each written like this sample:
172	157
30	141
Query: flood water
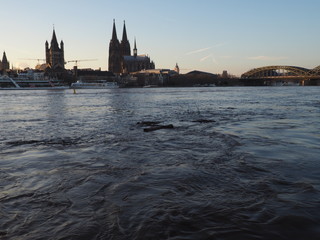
239	163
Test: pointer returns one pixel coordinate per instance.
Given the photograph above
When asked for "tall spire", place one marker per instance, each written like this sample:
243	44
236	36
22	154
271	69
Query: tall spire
54	41
114	52
135	51
4	57
124	34
125	45
5	65
114	31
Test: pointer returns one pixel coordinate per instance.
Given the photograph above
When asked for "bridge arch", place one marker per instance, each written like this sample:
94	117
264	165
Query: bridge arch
277	71
316	70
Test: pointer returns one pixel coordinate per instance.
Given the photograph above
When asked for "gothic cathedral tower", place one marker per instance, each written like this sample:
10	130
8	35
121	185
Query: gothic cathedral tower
125	45
54	54
115	57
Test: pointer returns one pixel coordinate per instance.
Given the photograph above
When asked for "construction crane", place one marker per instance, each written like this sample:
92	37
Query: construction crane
75	68
34	59
81	60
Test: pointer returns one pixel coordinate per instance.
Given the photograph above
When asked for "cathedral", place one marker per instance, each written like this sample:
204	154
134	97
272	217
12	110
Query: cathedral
120	59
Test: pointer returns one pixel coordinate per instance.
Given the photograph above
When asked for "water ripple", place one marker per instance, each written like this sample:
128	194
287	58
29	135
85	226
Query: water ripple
238	163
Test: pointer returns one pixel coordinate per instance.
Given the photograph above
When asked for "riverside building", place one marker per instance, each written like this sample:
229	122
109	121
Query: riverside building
55	58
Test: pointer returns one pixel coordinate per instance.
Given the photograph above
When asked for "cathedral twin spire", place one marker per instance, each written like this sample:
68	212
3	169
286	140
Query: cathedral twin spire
124	34
118	50
120	59
114	32
124	45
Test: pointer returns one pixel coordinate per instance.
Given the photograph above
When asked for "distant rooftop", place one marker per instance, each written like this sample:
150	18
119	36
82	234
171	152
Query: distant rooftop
199	72
137	58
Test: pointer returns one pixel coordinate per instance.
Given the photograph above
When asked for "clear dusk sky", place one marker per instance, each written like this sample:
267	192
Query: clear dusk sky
205	35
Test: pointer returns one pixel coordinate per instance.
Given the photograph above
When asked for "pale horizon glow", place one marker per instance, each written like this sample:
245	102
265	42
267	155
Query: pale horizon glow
267	58
205	35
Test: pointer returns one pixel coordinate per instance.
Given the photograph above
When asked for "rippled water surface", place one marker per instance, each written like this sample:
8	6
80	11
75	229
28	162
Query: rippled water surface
239	163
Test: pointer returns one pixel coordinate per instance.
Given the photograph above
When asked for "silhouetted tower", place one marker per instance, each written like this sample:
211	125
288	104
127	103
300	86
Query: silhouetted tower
176	68
135	51
55	54
125	45
120	58
4	63
115	57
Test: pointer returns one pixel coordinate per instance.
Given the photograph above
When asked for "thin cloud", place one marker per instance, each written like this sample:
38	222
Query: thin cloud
267	58
209	57
198	51
205	58
206	49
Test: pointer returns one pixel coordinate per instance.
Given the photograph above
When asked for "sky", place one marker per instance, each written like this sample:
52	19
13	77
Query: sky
204	35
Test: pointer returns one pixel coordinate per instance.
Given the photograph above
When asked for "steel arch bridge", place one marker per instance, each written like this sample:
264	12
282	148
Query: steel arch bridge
316	70
280	72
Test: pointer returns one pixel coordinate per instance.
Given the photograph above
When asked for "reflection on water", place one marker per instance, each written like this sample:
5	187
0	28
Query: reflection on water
240	163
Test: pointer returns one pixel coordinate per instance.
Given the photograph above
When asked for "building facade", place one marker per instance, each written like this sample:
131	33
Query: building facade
120	59
55	54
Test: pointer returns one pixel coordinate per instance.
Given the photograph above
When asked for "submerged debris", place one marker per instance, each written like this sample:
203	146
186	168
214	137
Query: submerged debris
204	121
148	123
158	127
153	126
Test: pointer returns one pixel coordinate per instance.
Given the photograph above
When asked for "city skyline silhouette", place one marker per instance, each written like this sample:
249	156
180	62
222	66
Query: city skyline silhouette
209	36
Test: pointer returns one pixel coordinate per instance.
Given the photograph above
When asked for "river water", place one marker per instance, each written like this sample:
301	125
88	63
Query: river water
239	163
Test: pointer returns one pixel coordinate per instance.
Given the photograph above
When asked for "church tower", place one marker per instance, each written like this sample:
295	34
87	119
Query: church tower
176	68
55	54
4	64
115	57
125	45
